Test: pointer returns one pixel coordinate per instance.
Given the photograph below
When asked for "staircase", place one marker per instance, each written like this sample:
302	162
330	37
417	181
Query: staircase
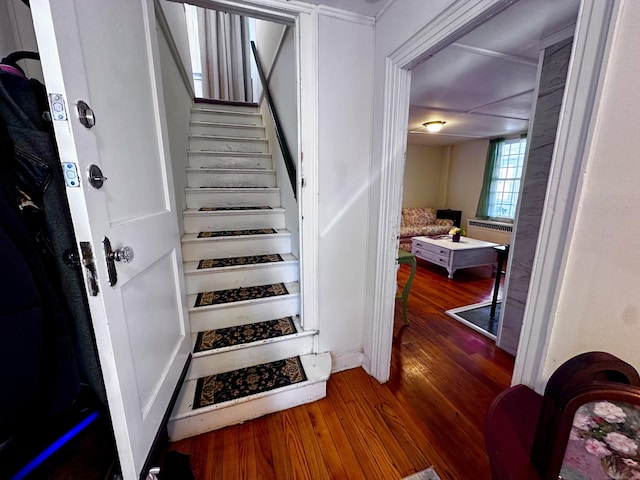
251	354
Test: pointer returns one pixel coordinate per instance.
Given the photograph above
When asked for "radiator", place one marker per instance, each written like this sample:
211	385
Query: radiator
496	232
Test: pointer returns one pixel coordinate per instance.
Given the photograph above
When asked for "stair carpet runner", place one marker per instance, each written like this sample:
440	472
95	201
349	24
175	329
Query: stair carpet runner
251	356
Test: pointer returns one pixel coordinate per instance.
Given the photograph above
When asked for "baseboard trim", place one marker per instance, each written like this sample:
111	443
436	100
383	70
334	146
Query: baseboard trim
346	361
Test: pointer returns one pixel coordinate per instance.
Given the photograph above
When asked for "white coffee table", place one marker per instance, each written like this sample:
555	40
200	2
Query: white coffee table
468	252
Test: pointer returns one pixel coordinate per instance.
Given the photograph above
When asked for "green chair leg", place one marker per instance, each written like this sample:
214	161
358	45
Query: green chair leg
408	258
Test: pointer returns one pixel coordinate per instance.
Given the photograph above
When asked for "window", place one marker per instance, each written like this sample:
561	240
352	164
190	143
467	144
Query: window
501	186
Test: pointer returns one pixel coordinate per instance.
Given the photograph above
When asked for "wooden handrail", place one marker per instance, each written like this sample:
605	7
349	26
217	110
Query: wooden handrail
282	141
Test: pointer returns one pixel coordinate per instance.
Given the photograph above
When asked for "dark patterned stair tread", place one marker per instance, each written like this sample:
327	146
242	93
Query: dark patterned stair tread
205	299
242	334
238	261
222	209
247	381
237	233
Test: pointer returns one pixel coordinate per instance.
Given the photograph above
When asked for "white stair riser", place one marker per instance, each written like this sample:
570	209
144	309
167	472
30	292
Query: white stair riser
233	199
241	313
238	247
240	412
227	130
201	366
226	117
211	279
246	160
237	221
236	148
227	144
204	179
226	107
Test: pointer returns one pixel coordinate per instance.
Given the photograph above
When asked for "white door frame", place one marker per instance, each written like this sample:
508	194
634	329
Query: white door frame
304	18
591	39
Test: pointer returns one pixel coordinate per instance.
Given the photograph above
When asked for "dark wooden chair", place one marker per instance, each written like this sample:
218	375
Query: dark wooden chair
527	434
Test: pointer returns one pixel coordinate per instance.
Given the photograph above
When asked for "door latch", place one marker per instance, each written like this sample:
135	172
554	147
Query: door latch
124	254
90	266
57	109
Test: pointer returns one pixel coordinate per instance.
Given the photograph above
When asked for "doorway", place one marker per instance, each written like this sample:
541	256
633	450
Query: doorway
444	30
488	85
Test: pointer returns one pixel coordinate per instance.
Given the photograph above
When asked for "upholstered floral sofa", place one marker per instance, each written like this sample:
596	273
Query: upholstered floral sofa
419	221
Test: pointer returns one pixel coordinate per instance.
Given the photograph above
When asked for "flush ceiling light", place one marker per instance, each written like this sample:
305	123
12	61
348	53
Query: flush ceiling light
433	127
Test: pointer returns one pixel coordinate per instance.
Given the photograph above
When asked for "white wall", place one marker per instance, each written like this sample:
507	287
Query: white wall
268	35
345	96
178	96
465	177
7	37
16	33
423	174
599	305
278	59
174	13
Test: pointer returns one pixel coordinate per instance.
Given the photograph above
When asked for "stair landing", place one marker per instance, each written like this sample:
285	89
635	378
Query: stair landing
188	421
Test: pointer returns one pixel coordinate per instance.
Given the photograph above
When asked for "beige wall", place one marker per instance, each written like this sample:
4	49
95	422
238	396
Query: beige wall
423	172
465	177
445	177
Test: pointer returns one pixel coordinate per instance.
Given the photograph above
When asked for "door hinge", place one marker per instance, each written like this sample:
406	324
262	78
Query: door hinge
89	263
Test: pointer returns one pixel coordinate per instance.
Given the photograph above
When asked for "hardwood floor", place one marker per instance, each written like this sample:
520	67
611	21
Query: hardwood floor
430	413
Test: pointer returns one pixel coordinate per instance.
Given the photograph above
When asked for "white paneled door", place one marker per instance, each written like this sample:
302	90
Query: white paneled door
105	53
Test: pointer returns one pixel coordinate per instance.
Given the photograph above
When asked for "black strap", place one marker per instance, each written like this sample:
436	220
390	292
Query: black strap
12	58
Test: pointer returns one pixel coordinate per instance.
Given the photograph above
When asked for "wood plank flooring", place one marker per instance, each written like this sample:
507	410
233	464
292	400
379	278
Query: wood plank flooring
430	413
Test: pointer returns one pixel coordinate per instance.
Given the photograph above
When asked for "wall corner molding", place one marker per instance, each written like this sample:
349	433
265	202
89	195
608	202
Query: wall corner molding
346	16
384	9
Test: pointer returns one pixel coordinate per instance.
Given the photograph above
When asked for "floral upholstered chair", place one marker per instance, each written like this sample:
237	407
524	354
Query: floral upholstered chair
599	435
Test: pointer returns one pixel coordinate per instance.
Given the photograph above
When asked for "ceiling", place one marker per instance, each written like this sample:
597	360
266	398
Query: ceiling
482	85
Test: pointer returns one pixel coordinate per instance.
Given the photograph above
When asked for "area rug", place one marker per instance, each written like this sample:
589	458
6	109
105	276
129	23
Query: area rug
476	316
240	334
235	261
236	233
428	474
239	294
248	381
222	209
